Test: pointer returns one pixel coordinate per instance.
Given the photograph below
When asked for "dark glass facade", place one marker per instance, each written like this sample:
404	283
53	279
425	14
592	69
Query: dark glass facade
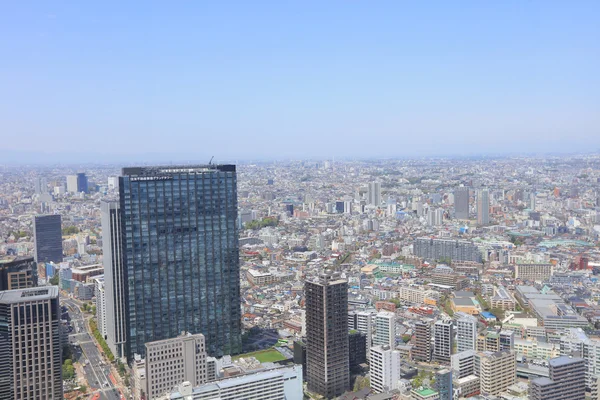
47	235
82	183
181	255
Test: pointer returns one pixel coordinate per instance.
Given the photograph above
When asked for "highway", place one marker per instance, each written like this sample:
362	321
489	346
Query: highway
95	368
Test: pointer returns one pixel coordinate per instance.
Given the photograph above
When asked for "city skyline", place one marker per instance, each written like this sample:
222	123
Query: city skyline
410	79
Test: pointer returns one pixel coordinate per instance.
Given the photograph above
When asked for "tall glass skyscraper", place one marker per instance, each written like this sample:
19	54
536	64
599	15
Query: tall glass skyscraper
181	255
47	237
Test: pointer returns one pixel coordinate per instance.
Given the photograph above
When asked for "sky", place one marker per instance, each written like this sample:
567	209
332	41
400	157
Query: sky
298	79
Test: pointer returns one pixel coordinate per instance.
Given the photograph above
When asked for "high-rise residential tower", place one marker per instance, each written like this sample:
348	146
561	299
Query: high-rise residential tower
327	361
385	363
566	381
443	384
444	338
466	333
483	207
181	255
114	277
385	329
17	273
47	237
375	193
461	203
422	348
30	344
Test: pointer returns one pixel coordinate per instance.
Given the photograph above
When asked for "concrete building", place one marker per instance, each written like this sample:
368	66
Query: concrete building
466	333
17	273
496	371
258	278
47	238
327	334
443	384
534	272
444	339
461	203
446	249
384	363
173	361
100	305
422	349
30	344
114	278
503	300
357	348
374	193
72	183
483	207
274	383
566	381
463	363
385	329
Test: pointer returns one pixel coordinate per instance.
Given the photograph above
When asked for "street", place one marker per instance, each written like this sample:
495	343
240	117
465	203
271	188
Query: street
85	352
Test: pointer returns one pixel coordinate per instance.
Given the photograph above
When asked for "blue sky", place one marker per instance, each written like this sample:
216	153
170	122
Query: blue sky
276	79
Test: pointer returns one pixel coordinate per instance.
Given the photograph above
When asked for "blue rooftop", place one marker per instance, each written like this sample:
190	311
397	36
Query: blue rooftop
488	315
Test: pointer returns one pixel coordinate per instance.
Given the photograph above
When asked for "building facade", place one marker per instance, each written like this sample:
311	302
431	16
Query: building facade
422	349
483	207
461	203
30	344
446	249
496	371
114	277
17	273
444	340
566	381
171	362
385	329
466	335
47	237
327	335
100	305
181	255
384	368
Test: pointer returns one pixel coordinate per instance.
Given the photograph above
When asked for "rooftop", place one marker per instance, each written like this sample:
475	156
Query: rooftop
20	295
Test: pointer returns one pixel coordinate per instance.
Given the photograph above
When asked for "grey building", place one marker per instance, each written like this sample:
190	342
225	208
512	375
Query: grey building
444	339
114	277
181	255
461	203
446	249
327	360
47	238
443	384
30	344
483	207
566	381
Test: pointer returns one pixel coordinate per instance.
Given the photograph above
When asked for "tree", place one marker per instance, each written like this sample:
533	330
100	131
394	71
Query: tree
54	280
417	382
68	370
70	230
83	388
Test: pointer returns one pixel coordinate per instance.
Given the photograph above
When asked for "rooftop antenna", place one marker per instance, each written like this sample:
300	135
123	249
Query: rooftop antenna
210	162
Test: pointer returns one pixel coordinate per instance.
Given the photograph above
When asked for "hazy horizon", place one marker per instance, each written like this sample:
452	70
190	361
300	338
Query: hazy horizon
300	80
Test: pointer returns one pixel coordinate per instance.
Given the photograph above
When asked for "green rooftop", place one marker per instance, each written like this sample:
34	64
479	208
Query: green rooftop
425	392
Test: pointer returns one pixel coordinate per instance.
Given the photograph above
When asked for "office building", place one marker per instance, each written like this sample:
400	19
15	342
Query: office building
444	339
327	335
181	255
466	333
483	207
30	344
40	185
461	203
82	183
384	368
496	371
72	183
385	329
47	238
100	293
443	384
173	361
114	277
17	273
374	193
446	249
422	349
566	381
113	182
279	383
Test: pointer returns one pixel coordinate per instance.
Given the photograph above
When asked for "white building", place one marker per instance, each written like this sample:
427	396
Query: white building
384	368
173	361
466	337
385	329
72	183
375	193
444	339
100	304
276	383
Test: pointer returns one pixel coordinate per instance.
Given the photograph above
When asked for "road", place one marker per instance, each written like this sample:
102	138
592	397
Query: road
95	369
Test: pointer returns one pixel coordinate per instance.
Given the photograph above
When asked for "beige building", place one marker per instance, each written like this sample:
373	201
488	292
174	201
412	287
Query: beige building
257	278
173	361
497	371
533	272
